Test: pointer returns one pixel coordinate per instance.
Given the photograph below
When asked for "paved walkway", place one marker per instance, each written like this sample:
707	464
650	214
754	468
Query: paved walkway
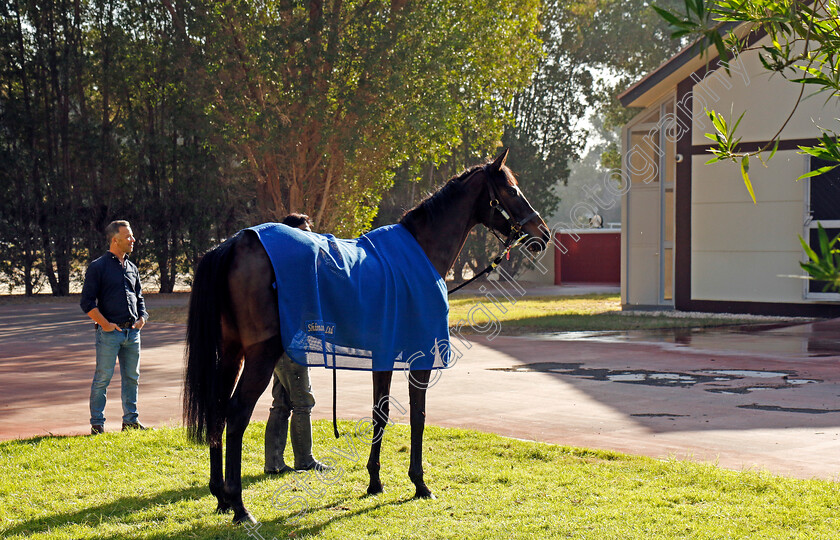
766	400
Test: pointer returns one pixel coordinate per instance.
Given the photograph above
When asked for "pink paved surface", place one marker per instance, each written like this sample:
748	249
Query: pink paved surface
765	400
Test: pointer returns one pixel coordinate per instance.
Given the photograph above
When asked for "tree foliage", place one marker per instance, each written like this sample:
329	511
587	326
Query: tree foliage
192	119
591	50
825	264
100	118
325	100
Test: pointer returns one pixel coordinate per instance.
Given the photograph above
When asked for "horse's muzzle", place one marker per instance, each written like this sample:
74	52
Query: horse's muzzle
536	245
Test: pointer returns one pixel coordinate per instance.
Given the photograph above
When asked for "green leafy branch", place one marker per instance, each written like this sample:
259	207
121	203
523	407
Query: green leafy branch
696	20
827	150
727	147
786	23
823	266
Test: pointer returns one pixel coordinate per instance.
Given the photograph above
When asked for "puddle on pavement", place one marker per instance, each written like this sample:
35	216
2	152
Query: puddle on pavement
734	390
715	379
758	338
748	373
632	376
626	377
776	408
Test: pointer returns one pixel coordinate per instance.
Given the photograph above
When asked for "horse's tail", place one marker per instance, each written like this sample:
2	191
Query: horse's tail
204	342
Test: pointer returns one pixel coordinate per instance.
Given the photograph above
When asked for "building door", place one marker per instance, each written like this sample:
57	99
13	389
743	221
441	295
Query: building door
650	165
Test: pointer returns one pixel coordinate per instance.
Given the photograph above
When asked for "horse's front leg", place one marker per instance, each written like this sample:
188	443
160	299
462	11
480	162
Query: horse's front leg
381	409
259	365
417	383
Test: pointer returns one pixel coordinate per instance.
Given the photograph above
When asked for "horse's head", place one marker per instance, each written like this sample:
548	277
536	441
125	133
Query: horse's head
509	212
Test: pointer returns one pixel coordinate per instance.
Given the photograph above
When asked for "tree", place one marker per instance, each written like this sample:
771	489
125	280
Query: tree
102	117
324	100
591	50
172	160
804	49
18	235
45	117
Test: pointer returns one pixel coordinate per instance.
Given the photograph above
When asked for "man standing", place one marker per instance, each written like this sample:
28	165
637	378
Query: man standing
113	298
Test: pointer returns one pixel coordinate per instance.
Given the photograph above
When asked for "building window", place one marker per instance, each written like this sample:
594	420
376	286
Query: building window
823	208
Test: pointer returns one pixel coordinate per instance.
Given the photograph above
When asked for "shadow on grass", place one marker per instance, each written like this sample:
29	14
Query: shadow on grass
316	529
40	438
117	510
120	510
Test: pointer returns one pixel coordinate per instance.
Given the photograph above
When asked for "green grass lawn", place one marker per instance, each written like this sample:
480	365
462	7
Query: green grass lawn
153	485
568	313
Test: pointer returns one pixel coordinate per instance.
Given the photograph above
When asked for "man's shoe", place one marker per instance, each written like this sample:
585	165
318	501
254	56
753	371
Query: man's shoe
282	470
315	466
133	425
96	429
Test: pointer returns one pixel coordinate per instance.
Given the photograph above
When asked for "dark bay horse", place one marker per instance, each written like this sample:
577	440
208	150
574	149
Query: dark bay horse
233	336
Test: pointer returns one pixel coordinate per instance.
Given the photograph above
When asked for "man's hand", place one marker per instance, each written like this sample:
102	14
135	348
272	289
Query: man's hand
99	318
141	322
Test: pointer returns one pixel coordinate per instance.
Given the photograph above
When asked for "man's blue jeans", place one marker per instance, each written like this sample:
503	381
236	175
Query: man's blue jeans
292	395
125	345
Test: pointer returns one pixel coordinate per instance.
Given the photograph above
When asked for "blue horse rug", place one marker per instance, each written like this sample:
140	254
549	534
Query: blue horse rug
374	303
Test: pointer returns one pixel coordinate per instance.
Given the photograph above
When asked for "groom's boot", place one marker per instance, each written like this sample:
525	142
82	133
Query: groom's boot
301	434
275	444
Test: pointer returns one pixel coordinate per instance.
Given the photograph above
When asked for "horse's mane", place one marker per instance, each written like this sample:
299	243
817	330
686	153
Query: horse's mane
433	205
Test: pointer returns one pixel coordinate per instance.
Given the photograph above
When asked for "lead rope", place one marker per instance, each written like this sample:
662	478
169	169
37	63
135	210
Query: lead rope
496	262
335	396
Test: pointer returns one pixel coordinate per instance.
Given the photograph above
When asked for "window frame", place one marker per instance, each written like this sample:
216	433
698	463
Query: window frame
810	224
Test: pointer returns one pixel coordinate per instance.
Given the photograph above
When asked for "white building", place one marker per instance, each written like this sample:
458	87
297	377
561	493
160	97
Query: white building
691	236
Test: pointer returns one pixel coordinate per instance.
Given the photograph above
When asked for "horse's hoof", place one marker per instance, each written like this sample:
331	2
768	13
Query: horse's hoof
222	508
375	489
244	518
424	493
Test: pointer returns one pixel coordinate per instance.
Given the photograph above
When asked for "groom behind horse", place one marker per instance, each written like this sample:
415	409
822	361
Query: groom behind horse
292	396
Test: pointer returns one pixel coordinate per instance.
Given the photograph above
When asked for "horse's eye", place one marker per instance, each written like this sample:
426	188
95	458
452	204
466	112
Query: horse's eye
512	191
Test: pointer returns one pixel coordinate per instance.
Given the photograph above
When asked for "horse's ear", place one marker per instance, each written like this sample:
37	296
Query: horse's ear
500	161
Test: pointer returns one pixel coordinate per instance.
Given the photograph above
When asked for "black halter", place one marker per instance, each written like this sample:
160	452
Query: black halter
515	226
514	238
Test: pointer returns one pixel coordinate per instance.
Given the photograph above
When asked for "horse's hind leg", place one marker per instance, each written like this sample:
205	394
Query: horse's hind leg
228	370
217	477
381	409
418	382
260	359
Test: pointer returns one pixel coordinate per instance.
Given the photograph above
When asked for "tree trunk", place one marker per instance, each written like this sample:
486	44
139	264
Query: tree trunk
458	271
28	285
